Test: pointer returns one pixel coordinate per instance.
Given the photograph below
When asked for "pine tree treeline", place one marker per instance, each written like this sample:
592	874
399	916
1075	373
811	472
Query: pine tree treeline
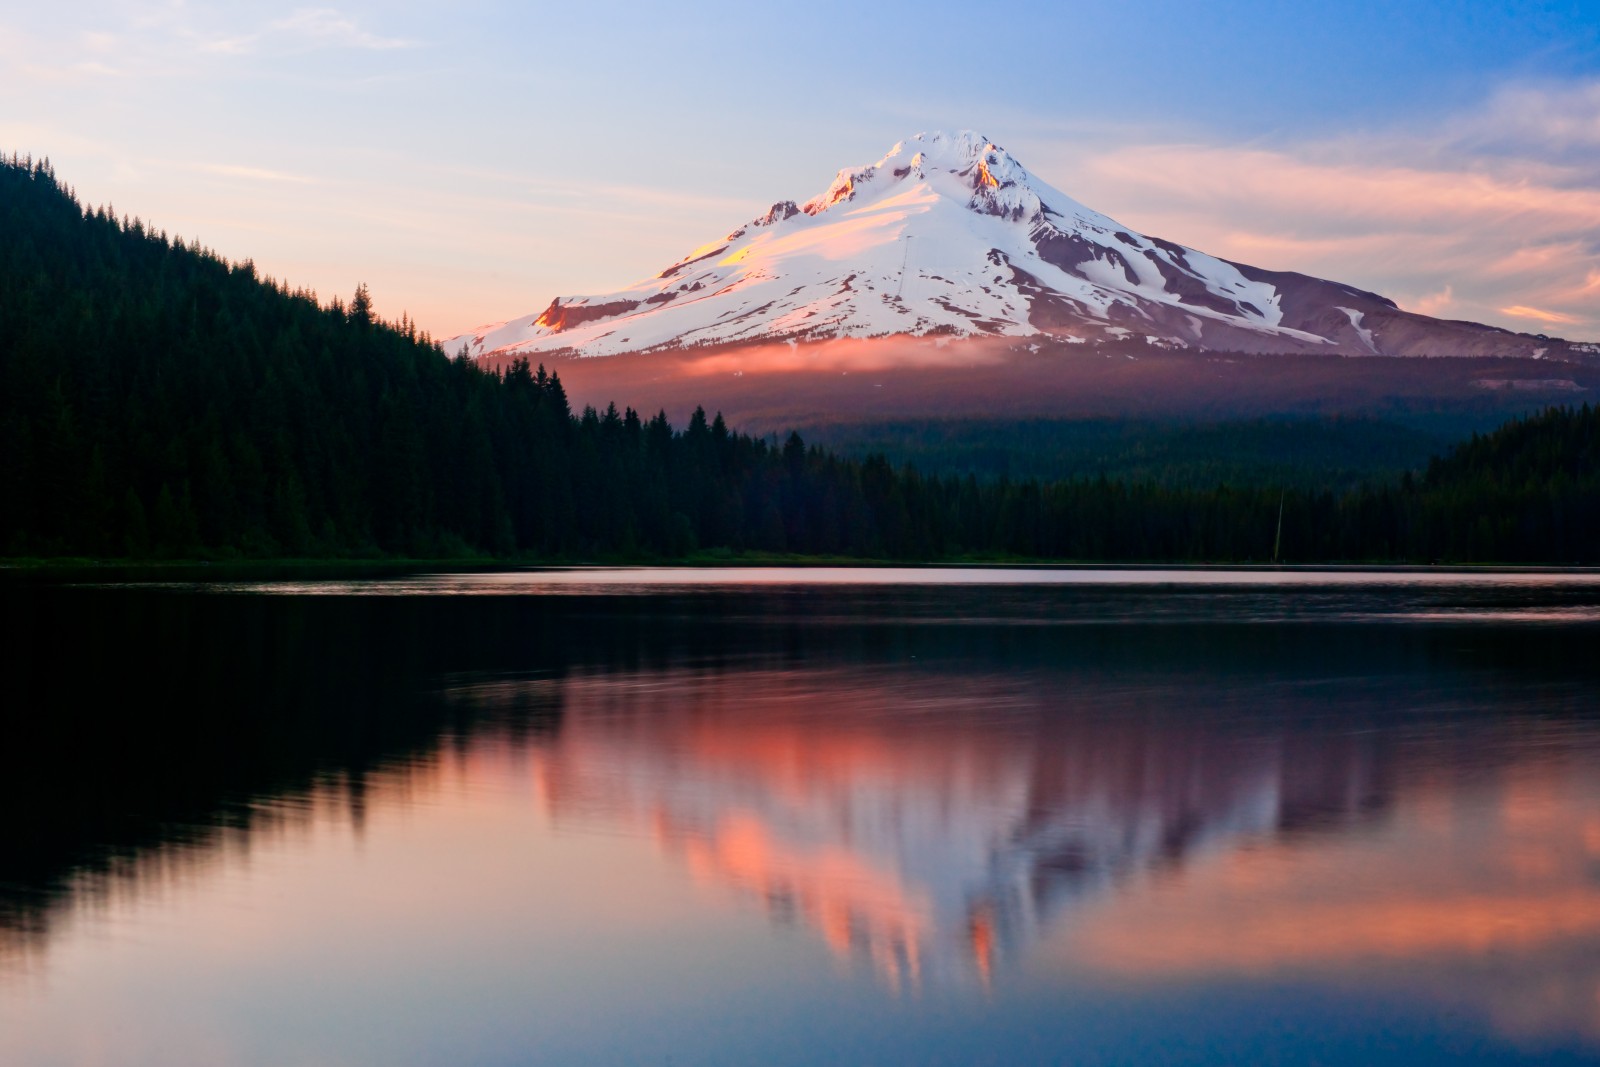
158	401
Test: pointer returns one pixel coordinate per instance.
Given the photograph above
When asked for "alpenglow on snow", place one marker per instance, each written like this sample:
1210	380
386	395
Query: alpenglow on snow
949	235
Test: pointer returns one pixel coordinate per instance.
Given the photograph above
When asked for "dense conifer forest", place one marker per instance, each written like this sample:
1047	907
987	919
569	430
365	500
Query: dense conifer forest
1297	452
159	402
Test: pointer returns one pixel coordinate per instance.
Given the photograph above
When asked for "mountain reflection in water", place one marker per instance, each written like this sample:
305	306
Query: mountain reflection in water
1402	812
926	821
935	824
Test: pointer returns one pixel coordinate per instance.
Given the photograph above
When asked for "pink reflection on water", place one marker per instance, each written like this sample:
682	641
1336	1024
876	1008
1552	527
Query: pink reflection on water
925	823
1481	891
934	827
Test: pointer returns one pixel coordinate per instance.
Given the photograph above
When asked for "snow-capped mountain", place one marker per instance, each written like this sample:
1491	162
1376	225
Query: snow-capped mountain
949	235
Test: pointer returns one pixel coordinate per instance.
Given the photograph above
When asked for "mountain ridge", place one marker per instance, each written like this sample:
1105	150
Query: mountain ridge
949	234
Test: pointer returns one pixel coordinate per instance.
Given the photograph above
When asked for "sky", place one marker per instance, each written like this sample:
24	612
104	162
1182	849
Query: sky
471	161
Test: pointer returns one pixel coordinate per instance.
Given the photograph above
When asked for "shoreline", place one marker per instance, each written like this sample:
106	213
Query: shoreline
73	571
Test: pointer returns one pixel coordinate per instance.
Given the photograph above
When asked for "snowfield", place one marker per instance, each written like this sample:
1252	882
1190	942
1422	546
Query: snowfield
948	234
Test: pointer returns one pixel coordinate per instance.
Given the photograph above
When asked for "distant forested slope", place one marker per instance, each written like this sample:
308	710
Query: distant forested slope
156	401
1302	452
1529	490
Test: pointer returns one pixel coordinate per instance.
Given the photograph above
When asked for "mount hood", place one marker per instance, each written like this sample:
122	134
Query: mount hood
948	234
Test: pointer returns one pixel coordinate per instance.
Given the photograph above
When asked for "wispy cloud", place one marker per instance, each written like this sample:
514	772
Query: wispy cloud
30	59
330	28
259	174
1282	184
306	29
235	45
1435	303
632	199
624	202
1521	312
164	41
1543	117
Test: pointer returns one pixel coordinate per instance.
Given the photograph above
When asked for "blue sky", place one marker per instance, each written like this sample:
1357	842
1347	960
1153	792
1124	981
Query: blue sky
471	161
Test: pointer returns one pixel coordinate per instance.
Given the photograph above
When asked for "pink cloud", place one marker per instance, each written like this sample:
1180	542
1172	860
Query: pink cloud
1549	116
1324	195
1522	312
1433	303
1432	225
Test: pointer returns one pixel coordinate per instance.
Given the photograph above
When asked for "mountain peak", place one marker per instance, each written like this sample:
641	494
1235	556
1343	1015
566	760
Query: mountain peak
994	181
950	234
965	151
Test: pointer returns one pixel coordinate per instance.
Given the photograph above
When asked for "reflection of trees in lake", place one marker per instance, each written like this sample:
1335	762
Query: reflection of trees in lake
146	730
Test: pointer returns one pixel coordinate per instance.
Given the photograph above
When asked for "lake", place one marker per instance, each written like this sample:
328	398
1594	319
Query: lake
797	816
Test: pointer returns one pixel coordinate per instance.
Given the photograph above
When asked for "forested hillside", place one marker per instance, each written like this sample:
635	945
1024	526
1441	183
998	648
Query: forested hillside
1302	452
156	401
1529	490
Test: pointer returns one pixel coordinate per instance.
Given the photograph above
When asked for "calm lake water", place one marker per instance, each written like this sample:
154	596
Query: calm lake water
797	817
